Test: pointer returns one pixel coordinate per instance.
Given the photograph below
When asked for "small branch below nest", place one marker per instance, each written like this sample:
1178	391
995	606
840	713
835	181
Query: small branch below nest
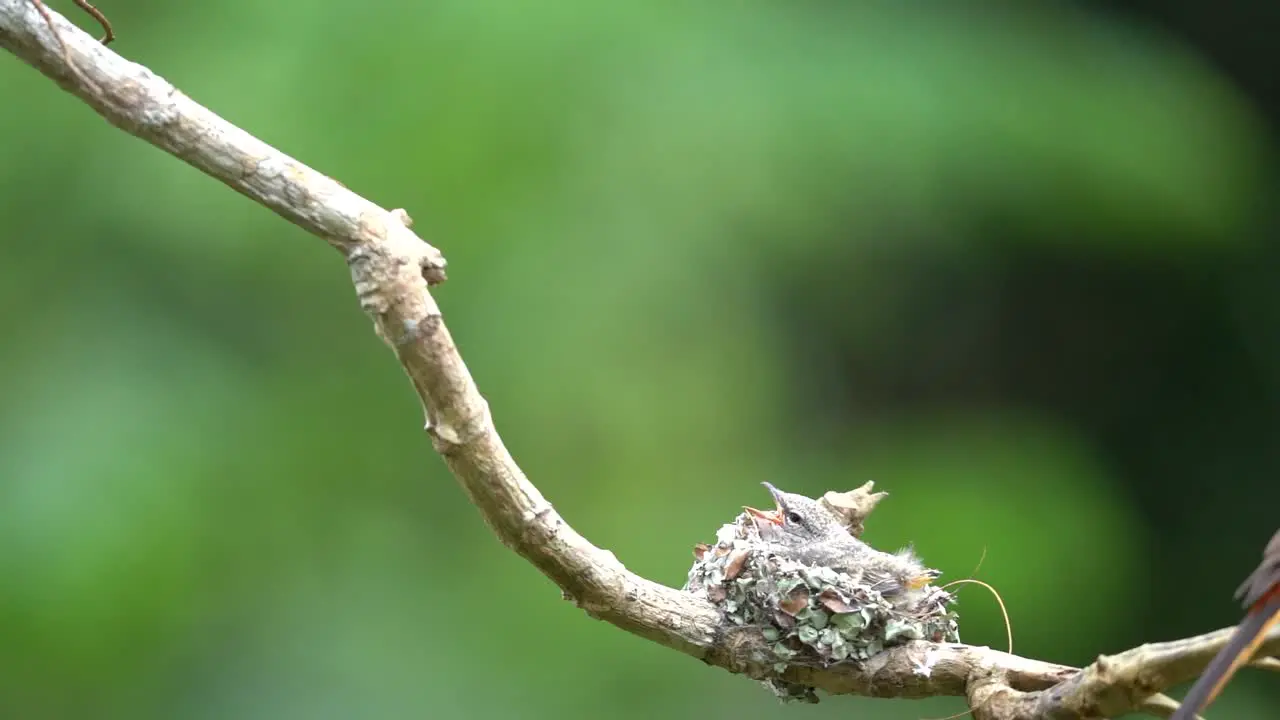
391	269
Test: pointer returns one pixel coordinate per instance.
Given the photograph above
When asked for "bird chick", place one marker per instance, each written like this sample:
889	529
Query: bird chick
805	530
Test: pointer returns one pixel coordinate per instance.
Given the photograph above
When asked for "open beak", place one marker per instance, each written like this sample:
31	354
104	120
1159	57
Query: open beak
773	516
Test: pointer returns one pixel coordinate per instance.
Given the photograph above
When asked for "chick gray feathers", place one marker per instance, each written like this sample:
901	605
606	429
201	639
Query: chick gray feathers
810	532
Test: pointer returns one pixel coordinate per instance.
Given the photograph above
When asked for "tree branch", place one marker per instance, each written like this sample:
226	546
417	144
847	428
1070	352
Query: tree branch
391	268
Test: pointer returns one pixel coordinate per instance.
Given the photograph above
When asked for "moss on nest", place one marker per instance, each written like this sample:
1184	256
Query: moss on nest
809	616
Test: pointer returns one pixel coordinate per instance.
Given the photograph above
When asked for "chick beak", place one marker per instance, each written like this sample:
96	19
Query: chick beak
773	516
776	493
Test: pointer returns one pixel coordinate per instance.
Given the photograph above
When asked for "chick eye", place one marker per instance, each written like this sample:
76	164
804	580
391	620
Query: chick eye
795	518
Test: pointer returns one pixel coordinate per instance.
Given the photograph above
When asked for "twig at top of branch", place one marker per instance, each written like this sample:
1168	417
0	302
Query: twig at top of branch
391	269
107	37
108	34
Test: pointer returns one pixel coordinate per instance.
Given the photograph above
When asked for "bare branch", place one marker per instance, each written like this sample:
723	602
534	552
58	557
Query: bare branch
391	269
1267	663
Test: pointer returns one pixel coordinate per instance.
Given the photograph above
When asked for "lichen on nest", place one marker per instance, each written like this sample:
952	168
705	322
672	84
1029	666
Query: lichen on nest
809	614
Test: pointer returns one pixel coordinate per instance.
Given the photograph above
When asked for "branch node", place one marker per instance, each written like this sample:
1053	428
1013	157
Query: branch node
444	437
537	514
924	666
430	262
433	274
403	216
448	434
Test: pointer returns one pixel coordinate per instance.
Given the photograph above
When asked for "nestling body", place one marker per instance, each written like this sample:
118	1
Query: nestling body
802	528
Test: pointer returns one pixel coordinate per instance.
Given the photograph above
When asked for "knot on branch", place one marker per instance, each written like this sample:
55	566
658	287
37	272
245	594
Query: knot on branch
391	264
391	268
450	431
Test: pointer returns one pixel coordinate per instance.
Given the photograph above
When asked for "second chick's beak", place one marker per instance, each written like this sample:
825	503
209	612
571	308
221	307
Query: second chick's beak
772	516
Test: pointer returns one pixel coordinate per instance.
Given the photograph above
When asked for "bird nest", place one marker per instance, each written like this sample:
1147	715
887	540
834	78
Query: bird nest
812	615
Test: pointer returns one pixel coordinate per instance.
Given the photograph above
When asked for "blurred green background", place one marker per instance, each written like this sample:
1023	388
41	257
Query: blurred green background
1013	261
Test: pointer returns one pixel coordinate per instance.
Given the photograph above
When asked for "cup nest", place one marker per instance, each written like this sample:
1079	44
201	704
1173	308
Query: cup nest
809	615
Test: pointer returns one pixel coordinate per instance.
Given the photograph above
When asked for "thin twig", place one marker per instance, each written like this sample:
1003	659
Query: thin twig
108	36
108	33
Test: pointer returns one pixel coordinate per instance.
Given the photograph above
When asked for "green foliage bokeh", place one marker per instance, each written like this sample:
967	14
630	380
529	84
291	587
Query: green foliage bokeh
216	499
